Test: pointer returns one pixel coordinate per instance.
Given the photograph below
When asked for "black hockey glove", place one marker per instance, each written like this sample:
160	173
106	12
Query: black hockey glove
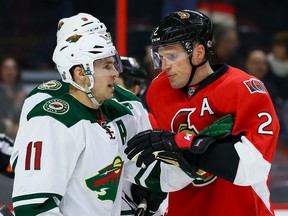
6	145
152	198
168	147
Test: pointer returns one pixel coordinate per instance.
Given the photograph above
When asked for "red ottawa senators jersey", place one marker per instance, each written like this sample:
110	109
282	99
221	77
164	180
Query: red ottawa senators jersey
227	91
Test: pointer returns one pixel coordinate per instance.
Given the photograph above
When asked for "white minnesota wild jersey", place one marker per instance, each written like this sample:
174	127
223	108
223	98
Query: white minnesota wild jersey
55	88
63	124
69	160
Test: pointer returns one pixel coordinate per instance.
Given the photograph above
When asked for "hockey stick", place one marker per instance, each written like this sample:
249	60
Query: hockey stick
5	211
141	208
129	201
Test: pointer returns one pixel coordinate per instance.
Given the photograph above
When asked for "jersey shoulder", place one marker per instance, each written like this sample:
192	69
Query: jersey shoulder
239	80
64	109
111	109
122	94
161	78
53	87
160	84
159	88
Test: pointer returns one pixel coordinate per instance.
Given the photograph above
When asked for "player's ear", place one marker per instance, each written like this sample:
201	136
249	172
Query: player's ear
198	53
78	72
78	75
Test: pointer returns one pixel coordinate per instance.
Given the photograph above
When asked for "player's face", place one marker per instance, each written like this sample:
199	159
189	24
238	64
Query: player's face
175	61
104	78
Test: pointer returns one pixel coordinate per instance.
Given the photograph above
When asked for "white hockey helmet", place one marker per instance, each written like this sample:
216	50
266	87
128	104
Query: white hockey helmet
83	50
79	24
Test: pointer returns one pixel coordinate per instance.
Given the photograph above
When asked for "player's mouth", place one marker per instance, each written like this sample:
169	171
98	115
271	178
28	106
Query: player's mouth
111	86
171	76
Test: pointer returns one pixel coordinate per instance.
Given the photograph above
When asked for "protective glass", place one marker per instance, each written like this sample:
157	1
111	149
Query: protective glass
117	64
168	54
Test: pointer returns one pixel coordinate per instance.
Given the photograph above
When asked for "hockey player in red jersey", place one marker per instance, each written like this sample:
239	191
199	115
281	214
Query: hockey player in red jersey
231	173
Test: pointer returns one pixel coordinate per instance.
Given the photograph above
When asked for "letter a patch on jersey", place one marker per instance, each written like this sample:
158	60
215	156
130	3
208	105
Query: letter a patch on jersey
255	85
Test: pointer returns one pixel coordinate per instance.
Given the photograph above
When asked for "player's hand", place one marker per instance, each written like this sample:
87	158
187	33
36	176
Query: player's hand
153	199
151	145
168	147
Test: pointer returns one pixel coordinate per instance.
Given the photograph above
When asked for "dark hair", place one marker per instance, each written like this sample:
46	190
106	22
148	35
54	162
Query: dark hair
281	38
220	32
71	70
3	60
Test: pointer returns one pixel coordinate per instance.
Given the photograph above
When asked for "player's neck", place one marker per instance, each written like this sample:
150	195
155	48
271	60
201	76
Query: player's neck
201	73
83	98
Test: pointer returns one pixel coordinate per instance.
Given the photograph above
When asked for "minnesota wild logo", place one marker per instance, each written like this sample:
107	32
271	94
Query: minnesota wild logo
56	106
105	182
183	15
74	38
50	85
60	25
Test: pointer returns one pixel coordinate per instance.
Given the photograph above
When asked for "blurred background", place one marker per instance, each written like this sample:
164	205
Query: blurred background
251	35
28	28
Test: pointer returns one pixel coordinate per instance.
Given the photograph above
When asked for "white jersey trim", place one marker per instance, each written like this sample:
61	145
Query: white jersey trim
262	190
252	168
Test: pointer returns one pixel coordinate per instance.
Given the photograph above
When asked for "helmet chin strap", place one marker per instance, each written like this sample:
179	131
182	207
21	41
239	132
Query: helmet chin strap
193	70
91	96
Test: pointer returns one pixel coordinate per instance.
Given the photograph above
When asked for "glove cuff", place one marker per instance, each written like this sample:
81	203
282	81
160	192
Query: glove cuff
183	140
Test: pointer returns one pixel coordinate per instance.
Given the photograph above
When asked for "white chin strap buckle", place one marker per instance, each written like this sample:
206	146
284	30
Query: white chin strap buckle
91	96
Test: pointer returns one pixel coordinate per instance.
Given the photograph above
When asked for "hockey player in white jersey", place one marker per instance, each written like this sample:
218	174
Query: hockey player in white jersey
66	147
84	23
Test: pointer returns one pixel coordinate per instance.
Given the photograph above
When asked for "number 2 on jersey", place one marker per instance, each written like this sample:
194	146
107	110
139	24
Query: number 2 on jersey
36	154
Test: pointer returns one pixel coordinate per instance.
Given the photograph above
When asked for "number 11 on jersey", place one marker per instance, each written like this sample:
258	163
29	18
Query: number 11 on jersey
36	154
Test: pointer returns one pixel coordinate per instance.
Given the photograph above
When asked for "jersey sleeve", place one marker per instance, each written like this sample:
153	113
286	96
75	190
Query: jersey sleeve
257	122
157	176
133	103
28	105
140	114
44	165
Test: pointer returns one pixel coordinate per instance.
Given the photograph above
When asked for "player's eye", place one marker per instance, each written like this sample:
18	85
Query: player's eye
171	56
108	66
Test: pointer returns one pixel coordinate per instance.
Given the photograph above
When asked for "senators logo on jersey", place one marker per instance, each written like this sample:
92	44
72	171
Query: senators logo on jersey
105	182
181	122
255	85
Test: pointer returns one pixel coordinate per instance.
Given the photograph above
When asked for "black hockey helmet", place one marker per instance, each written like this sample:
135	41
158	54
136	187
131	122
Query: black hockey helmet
184	26
132	73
